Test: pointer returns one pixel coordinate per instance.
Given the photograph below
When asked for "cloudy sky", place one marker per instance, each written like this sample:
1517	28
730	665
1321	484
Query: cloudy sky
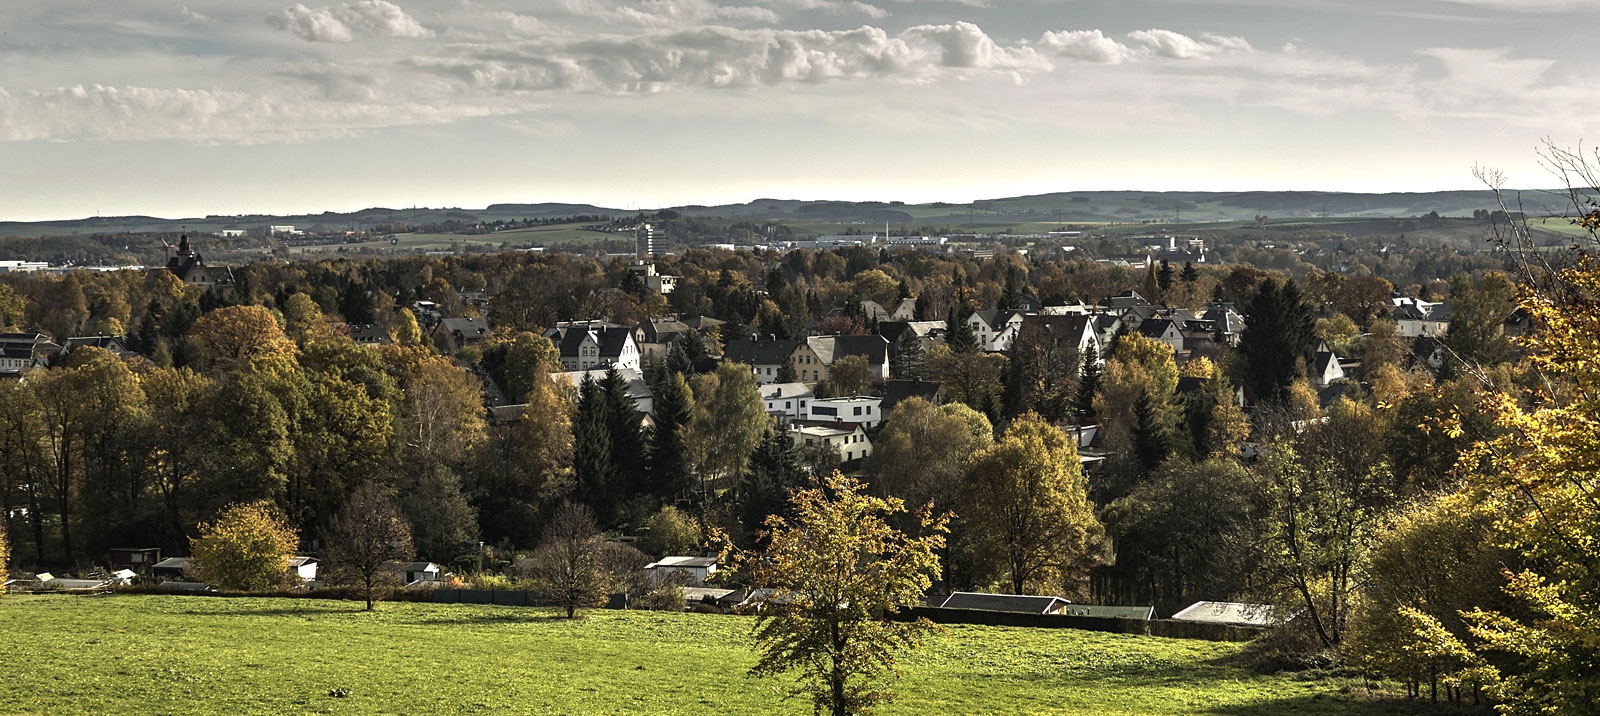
233	106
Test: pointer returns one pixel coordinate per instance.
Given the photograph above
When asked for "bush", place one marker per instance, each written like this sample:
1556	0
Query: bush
670	532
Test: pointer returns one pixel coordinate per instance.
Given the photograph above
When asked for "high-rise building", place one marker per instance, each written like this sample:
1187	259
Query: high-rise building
645	239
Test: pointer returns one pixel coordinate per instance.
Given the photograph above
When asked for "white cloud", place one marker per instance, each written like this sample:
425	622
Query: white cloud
342	23
1087	46
1166	43
194	17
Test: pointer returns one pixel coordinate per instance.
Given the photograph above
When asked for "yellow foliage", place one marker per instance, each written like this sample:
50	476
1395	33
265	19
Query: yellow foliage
247	548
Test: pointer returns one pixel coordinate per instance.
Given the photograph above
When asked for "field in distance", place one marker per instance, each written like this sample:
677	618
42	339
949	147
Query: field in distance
207	655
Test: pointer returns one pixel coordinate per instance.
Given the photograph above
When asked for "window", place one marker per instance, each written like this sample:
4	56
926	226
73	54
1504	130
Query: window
786	404
858	410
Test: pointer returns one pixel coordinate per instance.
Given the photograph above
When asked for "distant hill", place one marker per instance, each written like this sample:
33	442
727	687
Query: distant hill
1077	206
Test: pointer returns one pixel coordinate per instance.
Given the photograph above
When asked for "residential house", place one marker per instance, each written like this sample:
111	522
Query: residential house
1221	319
1015	603
817	353
453	334
368	334
1074	330
696	569
786	400
591	347
1164	330
20	352
847	438
995	330
903	310
655	338
302	569
929	333
1126	300
1325	369
1416	322
864	409
654	282
765	357
1106	327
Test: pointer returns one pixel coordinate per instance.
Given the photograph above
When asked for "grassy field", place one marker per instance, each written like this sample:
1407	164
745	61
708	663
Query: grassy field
200	655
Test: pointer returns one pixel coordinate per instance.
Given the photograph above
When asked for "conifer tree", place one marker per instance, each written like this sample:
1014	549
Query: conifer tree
627	445
959	336
1279	329
668	456
787	374
774	473
592	466
1090	382
907	361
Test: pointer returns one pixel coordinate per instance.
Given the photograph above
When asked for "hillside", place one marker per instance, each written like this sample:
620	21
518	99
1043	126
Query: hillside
1082	207
202	655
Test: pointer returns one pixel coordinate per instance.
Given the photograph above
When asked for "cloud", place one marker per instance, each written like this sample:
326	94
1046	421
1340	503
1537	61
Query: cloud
837	7
342	23
666	13
1087	46
1166	43
722	57
194	17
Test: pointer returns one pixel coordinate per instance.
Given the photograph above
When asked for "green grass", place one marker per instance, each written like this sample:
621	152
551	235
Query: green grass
207	655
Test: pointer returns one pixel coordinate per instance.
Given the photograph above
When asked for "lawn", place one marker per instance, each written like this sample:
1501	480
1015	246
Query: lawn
207	655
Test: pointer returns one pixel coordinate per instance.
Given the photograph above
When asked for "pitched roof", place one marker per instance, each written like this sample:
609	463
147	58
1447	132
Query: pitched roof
997	318
891	330
466	329
1320	361
832	348
1020	603
897	390
763	352
1156	327
779	391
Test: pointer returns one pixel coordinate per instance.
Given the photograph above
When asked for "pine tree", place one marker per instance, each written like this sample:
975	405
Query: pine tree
1279	329
787	374
668	457
678	358
591	450
627	445
959	336
1150	443
774	473
1090	382
694	347
1164	276
907	361
1190	274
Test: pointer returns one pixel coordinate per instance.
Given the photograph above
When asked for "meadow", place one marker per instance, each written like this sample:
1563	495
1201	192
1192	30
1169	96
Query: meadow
211	655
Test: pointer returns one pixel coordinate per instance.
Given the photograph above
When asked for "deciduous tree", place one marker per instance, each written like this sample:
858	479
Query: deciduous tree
246	548
569	566
364	540
838	571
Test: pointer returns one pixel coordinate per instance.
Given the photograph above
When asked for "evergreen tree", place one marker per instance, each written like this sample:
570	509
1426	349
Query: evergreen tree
773	474
1150	443
907	361
355	304
1190	274
787	374
1164	276
1279	329
694	347
627	445
591	450
1090	382
959	336
1151	287
923	310
678	358
668	456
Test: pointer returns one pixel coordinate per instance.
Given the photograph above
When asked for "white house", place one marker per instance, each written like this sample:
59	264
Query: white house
414	572
698	569
1325	369
847	438
302	569
791	400
995	330
590	347
862	409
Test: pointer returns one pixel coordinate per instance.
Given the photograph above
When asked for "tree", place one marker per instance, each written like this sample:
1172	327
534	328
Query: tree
1139	366
1383	345
5	555
838	570
569	567
919	454
627	443
247	548
960	338
403	329
1027	502
906	363
1474	339
970	378
670	532
668	454
847	376
443	523
1279	329
236	334
775	473
729	420
787	373
592	462
365	539
1089	383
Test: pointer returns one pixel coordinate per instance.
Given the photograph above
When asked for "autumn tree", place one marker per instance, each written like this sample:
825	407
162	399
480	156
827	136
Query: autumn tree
838	571
1027	503
847	376
569	566
247	548
235	334
729	420
365	539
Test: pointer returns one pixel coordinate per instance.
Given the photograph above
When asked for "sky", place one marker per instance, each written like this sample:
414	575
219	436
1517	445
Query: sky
243	106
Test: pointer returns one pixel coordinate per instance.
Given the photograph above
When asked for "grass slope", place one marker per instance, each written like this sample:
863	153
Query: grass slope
199	655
